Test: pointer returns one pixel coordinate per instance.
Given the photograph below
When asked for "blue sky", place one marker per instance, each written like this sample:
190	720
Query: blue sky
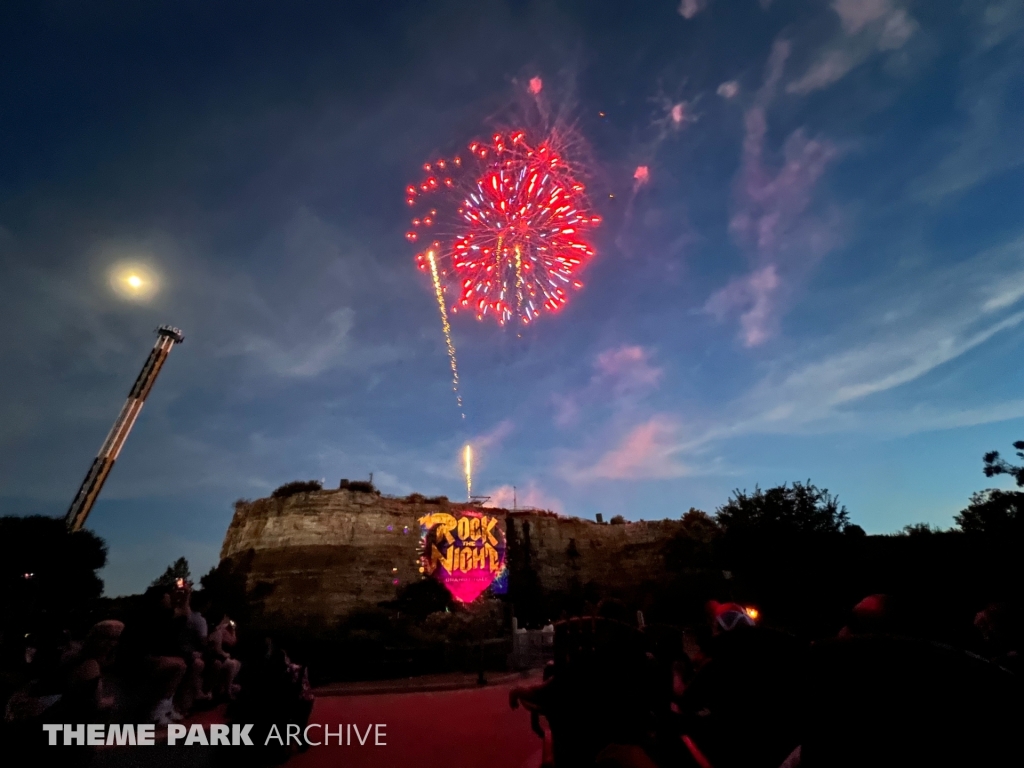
823	278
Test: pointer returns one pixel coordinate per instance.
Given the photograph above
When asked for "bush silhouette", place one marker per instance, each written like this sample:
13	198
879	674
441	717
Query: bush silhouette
296	486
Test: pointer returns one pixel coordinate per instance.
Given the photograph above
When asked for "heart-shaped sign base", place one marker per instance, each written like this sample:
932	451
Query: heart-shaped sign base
464	551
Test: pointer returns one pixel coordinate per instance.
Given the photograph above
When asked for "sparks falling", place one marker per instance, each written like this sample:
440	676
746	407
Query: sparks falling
446	327
467	460
515	236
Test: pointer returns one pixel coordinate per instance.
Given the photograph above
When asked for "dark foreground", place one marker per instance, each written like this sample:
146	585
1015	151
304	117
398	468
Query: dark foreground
440	729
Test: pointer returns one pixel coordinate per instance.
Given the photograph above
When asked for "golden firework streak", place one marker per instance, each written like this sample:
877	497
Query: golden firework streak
467	460
519	278
446	327
498	266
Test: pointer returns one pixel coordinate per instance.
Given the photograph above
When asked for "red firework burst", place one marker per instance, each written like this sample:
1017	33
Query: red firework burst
512	228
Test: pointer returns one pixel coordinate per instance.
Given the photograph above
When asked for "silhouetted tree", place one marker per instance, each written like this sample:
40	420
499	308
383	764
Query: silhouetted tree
524	588
993	512
699	525
996	465
800	508
224	592
421	598
46	573
692	546
786	549
296	486
917	529
177	570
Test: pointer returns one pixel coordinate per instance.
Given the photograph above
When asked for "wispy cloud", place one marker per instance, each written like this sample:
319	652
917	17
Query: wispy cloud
495	436
770	221
531	496
1000	21
299	328
753	295
830	67
627	370
933	324
305	357
487	445
648	451
817	390
1007	293
869	27
985	139
690	8
623	376
567	409
728	89
857	14
896	341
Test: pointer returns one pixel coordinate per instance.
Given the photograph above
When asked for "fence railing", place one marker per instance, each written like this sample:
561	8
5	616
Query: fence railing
531	648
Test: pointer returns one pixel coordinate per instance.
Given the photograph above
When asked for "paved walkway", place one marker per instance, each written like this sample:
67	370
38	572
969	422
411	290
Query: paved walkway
438	729
435	721
423	684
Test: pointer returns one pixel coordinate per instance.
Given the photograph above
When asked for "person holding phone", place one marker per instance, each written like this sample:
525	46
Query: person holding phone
150	654
192	638
225	668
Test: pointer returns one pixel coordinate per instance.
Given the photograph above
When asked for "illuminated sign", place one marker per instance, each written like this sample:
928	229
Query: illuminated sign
465	552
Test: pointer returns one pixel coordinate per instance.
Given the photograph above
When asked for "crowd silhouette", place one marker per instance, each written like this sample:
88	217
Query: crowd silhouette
736	691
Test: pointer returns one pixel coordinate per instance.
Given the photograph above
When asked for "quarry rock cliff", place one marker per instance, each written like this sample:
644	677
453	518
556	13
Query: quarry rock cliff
317	556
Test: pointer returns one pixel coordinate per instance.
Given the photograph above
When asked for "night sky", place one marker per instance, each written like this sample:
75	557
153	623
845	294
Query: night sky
823	278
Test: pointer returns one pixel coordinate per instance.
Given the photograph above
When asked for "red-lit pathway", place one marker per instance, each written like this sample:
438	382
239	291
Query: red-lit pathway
446	729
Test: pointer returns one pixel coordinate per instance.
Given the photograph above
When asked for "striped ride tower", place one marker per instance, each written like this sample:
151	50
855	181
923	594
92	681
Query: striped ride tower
167	337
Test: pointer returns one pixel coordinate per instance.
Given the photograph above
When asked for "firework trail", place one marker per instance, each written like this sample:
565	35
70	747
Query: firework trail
672	117
446	327
512	226
467	462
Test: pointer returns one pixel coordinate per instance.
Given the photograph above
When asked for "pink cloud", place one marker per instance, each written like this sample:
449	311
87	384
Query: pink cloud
898	29
485	445
493	437
755	295
567	410
857	14
776	65
868	26
628	369
832	66
627	372
770	219
690	8
647	452
529	497
771	203
729	89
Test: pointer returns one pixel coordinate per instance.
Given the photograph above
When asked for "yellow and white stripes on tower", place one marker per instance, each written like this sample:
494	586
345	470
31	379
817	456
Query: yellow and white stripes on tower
167	337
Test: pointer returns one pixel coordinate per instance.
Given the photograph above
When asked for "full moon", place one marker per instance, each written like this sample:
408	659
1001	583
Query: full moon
134	281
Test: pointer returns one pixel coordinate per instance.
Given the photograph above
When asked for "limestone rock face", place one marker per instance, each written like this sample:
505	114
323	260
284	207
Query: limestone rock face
321	555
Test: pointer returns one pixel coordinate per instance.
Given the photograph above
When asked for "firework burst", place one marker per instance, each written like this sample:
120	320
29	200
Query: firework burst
508	227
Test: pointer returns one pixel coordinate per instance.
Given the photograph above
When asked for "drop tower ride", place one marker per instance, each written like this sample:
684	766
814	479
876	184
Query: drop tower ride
167	337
